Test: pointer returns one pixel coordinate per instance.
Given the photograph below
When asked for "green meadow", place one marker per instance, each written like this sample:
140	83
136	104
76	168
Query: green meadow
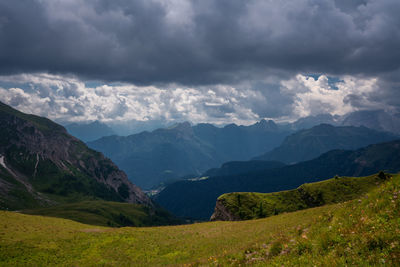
364	231
249	205
108	213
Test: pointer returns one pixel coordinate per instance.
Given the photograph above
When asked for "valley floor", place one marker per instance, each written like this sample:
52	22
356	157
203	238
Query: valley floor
365	231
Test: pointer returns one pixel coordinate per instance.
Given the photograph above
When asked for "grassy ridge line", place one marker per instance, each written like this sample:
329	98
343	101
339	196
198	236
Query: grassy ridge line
364	232
44	124
249	205
361	232
106	213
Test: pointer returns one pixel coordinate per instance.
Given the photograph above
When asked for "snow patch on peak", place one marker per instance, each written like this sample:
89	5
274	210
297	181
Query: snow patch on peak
2	163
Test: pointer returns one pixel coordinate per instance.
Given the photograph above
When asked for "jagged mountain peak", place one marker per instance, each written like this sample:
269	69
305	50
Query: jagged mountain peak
182	130
181	126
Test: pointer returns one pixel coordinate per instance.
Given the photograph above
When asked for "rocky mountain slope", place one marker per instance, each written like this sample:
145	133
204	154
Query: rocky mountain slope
310	143
196	199
41	165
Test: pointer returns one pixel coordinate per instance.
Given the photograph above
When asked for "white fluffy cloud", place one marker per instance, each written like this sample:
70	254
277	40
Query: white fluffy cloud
316	95
69	99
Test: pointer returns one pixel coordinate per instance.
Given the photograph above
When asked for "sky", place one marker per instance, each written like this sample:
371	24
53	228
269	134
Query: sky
217	61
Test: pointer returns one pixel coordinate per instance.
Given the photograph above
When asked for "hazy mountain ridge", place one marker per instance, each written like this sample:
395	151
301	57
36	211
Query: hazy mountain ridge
89	131
166	154
42	164
374	119
196	199
311	121
150	158
379	120
310	143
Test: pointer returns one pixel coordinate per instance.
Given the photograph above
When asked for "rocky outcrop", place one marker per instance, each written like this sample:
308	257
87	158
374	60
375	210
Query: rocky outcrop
221	213
35	148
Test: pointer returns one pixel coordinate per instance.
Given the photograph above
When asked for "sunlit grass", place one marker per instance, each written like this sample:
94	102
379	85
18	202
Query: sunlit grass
249	205
107	213
364	231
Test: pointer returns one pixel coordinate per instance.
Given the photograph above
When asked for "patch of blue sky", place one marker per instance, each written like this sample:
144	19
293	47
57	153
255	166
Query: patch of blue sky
27	87
332	80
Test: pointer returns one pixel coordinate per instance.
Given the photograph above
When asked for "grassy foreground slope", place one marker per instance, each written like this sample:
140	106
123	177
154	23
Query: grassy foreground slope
249	205
107	213
364	231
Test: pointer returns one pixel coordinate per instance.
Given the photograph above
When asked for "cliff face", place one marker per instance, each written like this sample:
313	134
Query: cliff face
221	213
41	160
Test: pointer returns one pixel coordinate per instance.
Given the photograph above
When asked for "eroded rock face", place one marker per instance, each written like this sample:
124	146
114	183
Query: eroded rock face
221	213
29	143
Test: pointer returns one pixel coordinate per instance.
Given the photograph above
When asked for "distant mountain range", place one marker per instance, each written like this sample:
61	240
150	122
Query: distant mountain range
165	155
89	131
125	128
42	165
196	199
374	119
311	121
150	158
310	143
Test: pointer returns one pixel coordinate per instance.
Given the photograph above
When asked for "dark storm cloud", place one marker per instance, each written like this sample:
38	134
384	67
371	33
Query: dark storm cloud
389	91
198	42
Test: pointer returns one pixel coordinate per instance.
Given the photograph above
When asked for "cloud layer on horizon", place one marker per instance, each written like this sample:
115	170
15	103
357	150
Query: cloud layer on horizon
68	99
